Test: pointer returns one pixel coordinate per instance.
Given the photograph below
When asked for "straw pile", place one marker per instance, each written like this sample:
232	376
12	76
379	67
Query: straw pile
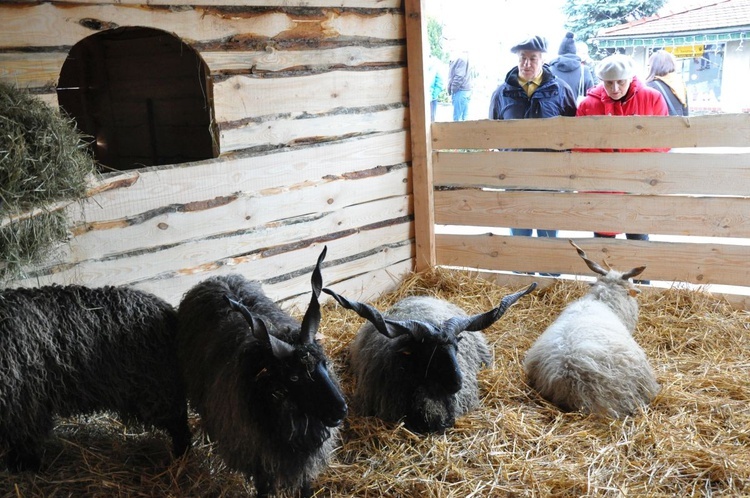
693	440
43	161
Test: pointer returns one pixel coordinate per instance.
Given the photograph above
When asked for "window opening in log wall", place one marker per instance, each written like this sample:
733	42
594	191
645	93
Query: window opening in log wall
143	96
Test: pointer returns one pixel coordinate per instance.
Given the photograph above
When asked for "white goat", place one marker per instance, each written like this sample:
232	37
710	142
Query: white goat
587	359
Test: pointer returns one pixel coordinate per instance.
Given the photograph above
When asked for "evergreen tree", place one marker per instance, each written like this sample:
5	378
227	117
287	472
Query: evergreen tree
586	18
435	37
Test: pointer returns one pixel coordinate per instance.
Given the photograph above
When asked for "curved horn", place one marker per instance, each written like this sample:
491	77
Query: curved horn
311	320
633	273
484	320
259	329
593	266
389	328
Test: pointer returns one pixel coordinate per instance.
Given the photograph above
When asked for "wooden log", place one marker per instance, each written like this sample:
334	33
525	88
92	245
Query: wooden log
667	215
698	263
359	4
42	69
207	258
31	70
373	274
364	279
147	271
54	25
620	132
726	173
326	127
275	60
283	171
416	26
241	98
385	197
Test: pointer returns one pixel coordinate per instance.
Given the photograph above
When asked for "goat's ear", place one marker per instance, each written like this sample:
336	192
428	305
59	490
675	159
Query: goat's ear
484	320
259	329
633	273
389	328
591	264
280	348
311	320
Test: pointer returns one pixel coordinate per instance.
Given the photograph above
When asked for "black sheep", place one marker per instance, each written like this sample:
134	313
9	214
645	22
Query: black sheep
260	381
70	350
419	360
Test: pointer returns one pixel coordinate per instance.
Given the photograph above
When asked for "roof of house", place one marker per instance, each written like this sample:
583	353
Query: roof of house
710	22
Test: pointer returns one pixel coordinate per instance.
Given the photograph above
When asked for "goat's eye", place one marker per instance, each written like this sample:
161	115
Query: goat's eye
294	378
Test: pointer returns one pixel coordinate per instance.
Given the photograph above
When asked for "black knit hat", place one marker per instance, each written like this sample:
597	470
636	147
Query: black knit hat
568	45
535	43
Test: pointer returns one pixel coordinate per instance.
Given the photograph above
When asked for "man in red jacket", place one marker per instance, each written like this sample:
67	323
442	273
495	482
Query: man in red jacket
621	94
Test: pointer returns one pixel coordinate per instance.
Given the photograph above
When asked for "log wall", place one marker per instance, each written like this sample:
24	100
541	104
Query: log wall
311	102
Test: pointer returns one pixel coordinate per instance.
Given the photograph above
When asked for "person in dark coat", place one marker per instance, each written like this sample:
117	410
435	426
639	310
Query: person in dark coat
568	66
460	80
531	90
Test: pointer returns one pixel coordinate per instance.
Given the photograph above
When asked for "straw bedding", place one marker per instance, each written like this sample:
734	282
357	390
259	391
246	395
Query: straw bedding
693	440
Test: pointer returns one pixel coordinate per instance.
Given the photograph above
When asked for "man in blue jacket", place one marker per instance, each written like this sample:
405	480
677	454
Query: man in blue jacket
531	90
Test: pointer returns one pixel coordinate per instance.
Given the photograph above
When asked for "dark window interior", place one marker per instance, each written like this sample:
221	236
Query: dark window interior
144	97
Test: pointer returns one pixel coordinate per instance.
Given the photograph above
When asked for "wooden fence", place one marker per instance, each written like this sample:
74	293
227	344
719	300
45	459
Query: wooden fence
694	202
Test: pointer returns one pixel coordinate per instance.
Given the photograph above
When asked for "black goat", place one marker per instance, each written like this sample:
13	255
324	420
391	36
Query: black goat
419	360
260	381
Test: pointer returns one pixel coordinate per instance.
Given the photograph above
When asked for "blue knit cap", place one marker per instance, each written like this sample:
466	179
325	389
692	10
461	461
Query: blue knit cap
568	45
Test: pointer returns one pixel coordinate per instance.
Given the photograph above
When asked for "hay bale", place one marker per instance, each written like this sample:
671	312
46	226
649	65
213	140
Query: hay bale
43	162
693	440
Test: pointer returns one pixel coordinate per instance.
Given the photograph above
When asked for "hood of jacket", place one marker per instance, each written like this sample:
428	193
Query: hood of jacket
566	63
674	81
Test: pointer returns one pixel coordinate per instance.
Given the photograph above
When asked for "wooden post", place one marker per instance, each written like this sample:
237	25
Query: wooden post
421	138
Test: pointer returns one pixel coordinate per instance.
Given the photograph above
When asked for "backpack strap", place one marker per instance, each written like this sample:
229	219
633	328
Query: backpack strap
665	92
581	83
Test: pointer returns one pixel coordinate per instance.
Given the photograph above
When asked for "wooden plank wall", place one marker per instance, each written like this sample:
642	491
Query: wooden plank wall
700	192
311	100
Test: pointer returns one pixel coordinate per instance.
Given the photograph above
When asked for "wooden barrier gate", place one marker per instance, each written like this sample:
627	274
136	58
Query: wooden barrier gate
693	201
